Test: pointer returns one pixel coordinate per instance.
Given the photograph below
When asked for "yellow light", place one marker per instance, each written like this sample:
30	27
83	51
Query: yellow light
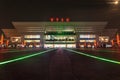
102	39
16	40
116	2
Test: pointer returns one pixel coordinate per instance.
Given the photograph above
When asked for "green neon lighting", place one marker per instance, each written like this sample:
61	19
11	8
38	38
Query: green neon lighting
24	57
95	57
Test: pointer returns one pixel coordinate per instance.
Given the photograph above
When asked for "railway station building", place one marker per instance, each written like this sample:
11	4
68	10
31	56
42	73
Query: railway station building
60	34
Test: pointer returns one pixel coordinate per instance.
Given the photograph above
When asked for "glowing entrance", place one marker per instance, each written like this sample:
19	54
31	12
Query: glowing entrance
60	45
63	40
60	36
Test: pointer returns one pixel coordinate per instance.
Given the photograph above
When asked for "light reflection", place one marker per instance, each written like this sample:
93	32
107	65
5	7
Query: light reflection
24	57
114	2
96	57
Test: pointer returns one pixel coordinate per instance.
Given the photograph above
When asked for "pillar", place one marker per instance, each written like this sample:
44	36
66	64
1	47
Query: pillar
118	38
112	42
42	41
2	39
24	43
95	44
7	42
77	40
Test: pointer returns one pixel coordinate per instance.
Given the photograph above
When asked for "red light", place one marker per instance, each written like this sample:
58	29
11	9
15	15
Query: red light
67	19
51	19
57	19
62	19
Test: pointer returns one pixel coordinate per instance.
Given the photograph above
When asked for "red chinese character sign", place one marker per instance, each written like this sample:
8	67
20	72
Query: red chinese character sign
51	19
59	19
67	19
62	19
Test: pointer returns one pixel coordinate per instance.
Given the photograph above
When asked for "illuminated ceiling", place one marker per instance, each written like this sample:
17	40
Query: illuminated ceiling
56	26
22	28
11	32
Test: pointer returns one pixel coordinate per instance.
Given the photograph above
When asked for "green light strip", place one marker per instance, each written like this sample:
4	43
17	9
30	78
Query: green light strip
24	57
95	57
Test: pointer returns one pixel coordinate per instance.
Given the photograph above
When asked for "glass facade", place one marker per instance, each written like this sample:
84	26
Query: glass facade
32	36
15	39
87	40
87	36
104	38
32	40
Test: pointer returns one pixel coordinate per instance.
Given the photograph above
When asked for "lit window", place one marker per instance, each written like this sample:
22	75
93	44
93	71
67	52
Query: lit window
16	39
32	36
103	38
32	40
87	36
82	40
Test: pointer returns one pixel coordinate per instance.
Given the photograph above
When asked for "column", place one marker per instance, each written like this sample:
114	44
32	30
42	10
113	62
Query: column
77	40
42	40
7	42
112	42
2	39
118	38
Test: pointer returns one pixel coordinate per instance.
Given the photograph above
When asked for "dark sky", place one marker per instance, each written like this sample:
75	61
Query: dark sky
42	10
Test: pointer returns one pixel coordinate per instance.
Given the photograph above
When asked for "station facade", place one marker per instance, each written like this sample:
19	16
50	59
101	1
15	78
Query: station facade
59	34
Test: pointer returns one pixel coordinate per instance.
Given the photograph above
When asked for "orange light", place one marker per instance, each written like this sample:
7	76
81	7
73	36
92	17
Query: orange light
24	43
2	38
118	39
95	44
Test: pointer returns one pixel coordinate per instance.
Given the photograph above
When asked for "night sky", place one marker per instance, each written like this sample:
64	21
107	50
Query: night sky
42	10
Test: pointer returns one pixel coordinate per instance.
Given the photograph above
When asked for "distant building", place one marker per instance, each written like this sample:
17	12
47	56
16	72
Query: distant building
60	34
